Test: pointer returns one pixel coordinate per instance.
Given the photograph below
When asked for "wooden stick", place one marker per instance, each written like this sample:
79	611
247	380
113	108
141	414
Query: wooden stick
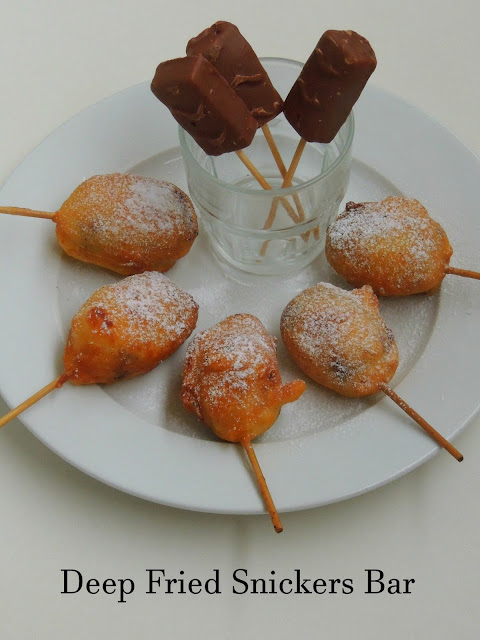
283	172
433	433
463	272
265	185
253	170
55	384
267	498
291	172
294	164
271	215
274	149
287	182
30	213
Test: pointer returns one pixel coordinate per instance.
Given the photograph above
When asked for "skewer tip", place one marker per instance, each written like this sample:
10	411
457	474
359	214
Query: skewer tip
433	433
262	485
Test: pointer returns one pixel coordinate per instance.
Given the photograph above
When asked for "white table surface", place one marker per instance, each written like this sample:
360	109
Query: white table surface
59	56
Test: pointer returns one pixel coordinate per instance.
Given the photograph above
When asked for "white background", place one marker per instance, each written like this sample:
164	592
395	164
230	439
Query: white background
57	57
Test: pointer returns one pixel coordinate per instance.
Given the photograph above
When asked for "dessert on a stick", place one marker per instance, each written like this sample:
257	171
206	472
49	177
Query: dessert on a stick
330	83
393	245
210	110
126	223
123	330
226	49
231	381
204	104
340	340
325	92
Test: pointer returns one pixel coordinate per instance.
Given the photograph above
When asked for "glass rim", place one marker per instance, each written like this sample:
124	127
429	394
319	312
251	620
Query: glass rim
269	193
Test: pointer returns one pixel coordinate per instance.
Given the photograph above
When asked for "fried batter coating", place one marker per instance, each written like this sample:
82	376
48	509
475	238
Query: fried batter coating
128	328
393	245
126	223
339	339
231	379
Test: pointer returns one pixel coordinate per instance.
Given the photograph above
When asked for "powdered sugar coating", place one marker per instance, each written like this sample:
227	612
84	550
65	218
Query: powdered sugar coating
150	306
339	339
234	351
392	245
231	378
237	351
127	223
127	328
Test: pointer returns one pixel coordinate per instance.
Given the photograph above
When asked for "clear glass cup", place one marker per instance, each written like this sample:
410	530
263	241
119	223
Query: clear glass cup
275	231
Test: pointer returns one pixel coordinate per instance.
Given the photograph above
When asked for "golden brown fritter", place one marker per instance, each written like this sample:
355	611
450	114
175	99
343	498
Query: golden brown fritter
393	245
128	328
231	379
127	223
339	339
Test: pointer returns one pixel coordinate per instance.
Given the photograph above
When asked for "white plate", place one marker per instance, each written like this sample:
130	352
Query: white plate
135	435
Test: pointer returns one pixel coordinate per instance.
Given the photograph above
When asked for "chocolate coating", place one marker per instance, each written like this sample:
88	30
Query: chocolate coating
329	85
204	104
223	45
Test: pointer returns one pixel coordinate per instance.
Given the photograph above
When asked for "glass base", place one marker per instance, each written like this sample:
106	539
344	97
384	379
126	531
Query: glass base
262	265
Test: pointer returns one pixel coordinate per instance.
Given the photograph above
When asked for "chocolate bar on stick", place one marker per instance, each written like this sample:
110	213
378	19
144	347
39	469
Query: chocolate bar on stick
329	85
323	95
224	46
204	104
226	49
